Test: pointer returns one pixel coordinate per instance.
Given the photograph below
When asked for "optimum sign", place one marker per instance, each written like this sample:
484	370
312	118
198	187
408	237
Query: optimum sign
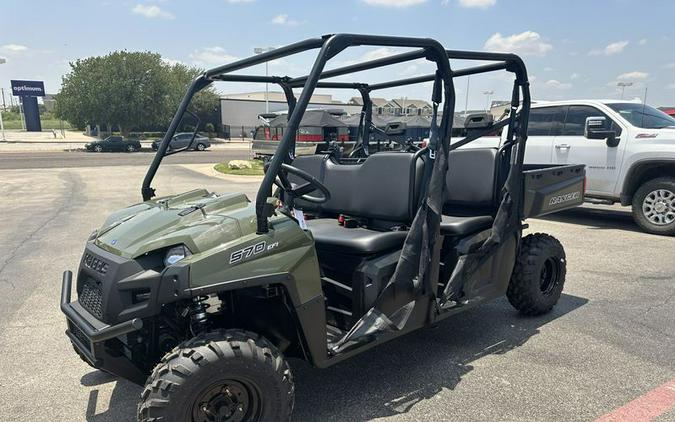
28	88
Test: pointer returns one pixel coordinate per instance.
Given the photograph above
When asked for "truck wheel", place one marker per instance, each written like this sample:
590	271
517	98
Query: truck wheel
228	375
654	206
539	275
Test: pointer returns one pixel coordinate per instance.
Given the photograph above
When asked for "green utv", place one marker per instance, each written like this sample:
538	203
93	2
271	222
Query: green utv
201	297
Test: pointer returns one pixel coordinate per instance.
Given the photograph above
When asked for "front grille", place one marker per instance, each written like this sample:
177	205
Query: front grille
91	297
79	334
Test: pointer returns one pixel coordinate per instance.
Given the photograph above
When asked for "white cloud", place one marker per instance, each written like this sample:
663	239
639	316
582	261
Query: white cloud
14	48
643	41
610	49
171	62
670	66
633	76
377	53
525	43
283	19
555	84
548	69
481	4
574	76
211	56
670	86
394	3
151	11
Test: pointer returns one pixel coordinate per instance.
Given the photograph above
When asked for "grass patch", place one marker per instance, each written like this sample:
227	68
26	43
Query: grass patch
47	124
255	170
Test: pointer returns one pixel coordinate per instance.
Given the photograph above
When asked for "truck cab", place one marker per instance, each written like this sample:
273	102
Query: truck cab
628	148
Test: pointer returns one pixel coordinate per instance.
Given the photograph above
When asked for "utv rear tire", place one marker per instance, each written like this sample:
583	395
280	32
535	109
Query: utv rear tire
539	275
654	206
221	373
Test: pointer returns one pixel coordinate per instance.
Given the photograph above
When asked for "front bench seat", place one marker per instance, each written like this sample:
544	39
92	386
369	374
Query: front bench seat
330	236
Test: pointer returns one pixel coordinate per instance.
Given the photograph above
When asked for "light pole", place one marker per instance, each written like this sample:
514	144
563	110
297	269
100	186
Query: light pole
488	94
623	86
466	99
2	124
260	50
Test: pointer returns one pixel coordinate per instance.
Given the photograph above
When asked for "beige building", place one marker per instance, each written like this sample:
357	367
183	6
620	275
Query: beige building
397	107
278	97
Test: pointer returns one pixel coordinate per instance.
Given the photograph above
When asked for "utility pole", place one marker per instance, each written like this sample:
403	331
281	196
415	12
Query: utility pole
4	105
466	100
260	50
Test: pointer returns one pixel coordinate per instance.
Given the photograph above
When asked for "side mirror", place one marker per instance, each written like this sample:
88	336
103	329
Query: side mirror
597	128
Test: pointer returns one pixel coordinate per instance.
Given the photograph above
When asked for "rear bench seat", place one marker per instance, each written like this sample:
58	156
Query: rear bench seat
384	191
470	199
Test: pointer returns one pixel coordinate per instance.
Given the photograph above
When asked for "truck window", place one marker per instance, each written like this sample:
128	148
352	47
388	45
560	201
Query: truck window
576	120
545	121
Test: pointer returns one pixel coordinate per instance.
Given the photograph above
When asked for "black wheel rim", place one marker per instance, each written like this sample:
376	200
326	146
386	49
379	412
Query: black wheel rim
550	275
228	401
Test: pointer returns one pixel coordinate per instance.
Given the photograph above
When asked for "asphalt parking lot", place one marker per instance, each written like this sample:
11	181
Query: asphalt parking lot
609	341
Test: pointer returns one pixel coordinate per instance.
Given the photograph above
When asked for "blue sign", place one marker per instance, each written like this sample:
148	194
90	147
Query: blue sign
28	88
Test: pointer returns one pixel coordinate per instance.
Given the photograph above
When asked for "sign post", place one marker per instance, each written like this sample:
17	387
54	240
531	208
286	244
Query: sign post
29	91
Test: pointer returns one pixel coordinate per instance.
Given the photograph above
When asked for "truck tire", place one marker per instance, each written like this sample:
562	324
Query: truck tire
654	206
221	375
539	275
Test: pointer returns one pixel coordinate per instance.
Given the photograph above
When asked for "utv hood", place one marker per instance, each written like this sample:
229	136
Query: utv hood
198	219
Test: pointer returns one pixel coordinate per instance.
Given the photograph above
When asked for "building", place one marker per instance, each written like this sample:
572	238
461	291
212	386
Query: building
240	112
668	110
396	107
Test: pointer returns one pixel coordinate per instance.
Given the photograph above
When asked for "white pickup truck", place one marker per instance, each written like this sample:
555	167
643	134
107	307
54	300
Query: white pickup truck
628	149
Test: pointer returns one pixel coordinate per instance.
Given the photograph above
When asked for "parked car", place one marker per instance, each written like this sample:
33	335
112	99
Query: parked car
114	143
182	140
628	149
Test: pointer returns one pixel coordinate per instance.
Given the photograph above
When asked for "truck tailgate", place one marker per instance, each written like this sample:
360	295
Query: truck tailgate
550	188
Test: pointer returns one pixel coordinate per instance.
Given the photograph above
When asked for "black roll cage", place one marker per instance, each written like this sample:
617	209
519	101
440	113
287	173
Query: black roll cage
331	45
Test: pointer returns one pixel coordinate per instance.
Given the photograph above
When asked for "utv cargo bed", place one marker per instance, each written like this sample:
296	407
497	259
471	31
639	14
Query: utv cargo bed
550	188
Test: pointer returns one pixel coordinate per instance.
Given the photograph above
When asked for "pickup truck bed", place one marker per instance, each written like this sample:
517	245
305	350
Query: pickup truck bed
551	188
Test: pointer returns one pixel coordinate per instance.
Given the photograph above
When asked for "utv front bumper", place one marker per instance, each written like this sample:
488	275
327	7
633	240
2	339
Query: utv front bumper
91	337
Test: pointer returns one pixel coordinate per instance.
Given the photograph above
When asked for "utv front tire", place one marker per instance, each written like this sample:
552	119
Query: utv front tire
654	206
539	275
223	375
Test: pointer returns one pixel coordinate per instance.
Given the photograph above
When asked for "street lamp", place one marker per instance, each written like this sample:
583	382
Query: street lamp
260	50
488	94
623	86
2	124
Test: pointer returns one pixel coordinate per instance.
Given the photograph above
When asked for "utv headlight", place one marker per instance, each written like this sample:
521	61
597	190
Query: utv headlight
93	235
175	254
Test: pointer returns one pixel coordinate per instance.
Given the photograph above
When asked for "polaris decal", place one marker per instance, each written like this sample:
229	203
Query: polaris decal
251	250
561	199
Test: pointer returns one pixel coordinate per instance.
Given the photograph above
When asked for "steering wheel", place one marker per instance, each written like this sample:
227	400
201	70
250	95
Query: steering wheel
300	192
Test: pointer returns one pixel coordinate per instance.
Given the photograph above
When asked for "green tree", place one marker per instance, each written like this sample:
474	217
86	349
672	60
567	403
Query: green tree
130	90
204	104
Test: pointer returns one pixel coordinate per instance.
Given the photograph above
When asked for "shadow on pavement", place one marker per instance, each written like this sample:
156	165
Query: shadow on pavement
596	218
389	379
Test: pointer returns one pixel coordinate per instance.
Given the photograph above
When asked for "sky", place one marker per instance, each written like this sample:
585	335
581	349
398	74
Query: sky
573	49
